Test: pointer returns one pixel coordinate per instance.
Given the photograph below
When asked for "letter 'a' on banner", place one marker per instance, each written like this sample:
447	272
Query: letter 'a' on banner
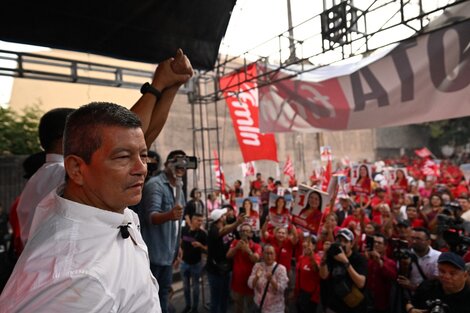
241	94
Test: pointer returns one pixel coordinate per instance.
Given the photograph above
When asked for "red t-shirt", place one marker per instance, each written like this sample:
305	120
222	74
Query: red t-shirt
307	279
284	251
352	218
242	267
380	281
417	222
257	184
363	188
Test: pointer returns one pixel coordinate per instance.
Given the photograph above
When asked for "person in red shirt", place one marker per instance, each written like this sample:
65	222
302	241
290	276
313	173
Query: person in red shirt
271	184
329	230
381	274
357	221
258	183
377	200
400	186
245	253
413	218
430	215
461	189
307	283
283	244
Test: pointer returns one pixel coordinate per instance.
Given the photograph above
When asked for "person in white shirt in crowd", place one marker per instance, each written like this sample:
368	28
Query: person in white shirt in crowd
424	261
465	205
269	279
50	175
152	110
89	255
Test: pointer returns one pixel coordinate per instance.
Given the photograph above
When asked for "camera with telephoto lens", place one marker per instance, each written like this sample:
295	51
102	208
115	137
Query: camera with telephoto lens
451	227
333	250
436	306
400	249
186	162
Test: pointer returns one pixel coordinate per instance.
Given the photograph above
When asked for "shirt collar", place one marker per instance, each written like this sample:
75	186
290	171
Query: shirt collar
91	215
53	157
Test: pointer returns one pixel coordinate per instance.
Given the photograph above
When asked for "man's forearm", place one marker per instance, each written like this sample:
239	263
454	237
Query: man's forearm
324	270
358	279
231	252
160	218
228	229
160	113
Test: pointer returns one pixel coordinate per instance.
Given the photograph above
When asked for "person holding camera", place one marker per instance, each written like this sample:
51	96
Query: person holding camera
382	272
161	216
218	266
344	272
422	263
448	293
245	253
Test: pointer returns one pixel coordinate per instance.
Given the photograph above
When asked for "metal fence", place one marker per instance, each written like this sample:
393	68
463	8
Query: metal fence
11	179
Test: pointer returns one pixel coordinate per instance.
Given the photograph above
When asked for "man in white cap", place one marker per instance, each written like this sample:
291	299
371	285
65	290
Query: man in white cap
217	266
345	208
345	272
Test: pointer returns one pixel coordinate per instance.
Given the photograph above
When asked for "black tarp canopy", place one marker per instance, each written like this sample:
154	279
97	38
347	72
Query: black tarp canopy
139	30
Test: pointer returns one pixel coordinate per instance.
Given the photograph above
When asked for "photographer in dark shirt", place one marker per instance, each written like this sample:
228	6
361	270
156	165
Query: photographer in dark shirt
344	273
447	293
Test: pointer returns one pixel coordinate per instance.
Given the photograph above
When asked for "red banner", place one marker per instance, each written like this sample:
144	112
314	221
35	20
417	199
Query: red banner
242	100
423	153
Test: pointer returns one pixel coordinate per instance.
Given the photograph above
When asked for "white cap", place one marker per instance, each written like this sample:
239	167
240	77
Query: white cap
295	188
217	214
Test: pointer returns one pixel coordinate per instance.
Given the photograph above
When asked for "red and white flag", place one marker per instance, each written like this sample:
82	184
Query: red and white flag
288	168
241	95
248	169
423	152
431	168
219	173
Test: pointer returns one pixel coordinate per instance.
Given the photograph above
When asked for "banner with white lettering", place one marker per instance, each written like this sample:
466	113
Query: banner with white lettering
242	99
424	78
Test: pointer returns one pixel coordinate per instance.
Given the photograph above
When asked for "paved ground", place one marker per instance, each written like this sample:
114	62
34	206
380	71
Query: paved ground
178	303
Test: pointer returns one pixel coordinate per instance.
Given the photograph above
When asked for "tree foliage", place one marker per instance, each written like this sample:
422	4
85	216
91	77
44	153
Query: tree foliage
454	132
19	131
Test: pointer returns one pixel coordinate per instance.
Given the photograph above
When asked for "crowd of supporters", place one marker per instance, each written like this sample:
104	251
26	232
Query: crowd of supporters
370	249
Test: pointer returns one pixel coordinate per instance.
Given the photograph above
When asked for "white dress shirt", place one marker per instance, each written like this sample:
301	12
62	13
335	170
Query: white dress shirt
77	261
47	178
428	264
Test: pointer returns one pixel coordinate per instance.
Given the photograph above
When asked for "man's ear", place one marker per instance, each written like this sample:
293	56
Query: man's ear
74	166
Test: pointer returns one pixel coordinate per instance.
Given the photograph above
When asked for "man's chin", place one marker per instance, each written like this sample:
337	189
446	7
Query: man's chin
134	200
